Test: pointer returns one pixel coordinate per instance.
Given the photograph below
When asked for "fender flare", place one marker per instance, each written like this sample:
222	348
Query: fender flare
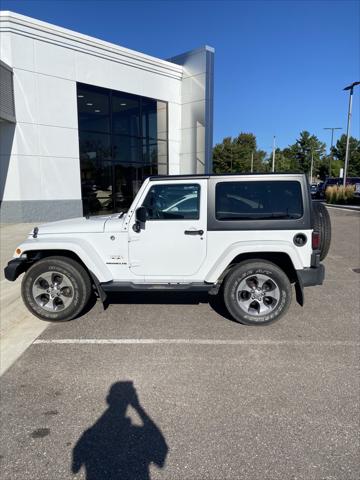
83	249
239	248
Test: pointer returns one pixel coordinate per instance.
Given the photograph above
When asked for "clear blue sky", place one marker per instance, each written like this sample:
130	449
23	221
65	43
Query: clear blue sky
280	66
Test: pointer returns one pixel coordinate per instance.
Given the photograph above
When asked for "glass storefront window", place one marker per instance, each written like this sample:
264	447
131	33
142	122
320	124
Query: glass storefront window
93	109
95	146
122	140
125	114
125	149
154	151
154	119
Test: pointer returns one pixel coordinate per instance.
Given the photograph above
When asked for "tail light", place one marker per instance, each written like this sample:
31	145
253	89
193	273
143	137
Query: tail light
315	240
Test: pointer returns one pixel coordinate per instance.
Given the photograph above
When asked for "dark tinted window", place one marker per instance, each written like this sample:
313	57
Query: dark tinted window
258	200
122	140
93	109
173	202
126	114
94	146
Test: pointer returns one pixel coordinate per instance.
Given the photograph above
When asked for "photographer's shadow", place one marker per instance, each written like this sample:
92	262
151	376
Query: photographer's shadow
115	448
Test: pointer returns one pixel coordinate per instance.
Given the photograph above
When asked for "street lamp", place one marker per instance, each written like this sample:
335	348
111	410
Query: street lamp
332	140
308	150
273	155
312	165
351	91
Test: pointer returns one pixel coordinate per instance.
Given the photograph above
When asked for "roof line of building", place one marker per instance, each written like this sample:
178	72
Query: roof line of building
39	30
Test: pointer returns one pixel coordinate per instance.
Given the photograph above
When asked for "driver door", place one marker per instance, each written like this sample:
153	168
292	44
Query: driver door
172	243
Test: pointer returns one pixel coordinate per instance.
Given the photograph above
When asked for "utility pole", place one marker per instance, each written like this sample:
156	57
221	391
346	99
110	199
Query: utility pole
351	88
252	162
332	141
312	165
273	155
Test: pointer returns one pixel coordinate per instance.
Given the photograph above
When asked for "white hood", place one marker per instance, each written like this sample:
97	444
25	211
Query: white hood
75	225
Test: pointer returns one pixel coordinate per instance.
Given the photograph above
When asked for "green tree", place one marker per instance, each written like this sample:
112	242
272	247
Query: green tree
354	154
323	167
306	146
223	156
234	155
285	161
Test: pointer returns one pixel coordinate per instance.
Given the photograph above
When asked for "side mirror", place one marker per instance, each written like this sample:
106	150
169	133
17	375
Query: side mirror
141	214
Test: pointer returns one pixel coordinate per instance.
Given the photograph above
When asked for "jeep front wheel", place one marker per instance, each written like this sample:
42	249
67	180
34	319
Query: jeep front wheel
56	289
257	292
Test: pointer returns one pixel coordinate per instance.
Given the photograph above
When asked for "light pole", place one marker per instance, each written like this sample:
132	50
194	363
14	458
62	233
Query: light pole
252	162
351	88
312	165
332	141
273	155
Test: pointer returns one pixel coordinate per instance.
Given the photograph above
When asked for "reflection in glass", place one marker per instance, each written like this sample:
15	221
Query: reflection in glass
122	140
95	146
93	109
125	149
258	200
173	202
154	119
125	114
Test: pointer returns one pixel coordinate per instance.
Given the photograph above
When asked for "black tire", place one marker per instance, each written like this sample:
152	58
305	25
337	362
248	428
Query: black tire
61	269
248	270
322	224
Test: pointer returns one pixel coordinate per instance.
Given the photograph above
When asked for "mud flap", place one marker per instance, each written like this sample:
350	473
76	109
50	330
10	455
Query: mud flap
299	290
102	294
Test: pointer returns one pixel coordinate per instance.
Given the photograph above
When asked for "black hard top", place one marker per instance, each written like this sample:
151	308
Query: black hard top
222	175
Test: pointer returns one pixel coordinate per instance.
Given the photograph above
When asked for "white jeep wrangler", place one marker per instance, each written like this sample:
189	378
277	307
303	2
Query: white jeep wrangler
246	237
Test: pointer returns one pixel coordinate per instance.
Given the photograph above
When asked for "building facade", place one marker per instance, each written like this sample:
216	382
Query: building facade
83	121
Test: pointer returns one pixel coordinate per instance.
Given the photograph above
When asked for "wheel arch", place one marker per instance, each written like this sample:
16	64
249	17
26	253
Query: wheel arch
35	255
281	252
38	254
85	255
281	259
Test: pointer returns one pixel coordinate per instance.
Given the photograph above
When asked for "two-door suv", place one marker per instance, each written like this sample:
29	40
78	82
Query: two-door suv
247	237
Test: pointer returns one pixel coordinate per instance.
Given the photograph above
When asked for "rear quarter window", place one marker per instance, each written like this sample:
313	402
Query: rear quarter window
258	200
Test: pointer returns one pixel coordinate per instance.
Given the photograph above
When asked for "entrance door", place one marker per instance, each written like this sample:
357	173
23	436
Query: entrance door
173	243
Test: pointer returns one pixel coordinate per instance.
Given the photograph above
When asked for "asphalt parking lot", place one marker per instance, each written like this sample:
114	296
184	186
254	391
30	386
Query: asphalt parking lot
165	387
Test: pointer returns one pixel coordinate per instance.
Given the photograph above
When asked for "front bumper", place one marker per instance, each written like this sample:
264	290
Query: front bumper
15	268
308	277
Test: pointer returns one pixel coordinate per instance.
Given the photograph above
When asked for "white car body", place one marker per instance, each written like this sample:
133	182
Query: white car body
246	237
161	253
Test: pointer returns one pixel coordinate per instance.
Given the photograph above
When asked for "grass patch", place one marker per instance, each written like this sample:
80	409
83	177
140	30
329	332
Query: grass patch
339	194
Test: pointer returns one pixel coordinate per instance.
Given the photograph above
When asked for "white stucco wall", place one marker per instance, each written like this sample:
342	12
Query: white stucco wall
40	154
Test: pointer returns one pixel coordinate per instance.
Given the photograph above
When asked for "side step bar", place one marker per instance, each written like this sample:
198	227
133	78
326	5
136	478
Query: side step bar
109	287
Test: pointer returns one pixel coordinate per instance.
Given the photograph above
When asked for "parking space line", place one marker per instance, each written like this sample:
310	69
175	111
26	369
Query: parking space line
190	341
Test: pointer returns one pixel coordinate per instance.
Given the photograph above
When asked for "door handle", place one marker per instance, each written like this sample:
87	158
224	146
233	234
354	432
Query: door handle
194	232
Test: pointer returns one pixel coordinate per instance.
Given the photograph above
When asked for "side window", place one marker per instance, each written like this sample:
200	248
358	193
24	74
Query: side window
173	202
258	200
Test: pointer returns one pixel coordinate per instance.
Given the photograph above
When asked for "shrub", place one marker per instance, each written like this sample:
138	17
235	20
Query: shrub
339	194
330	194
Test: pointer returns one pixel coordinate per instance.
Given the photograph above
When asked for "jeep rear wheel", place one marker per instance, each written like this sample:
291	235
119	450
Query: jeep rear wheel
56	289
257	292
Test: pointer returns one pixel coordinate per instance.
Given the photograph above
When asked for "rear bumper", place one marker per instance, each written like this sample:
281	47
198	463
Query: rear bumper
15	268
309	277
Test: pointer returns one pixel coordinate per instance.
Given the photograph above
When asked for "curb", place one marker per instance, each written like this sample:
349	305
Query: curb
353	208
